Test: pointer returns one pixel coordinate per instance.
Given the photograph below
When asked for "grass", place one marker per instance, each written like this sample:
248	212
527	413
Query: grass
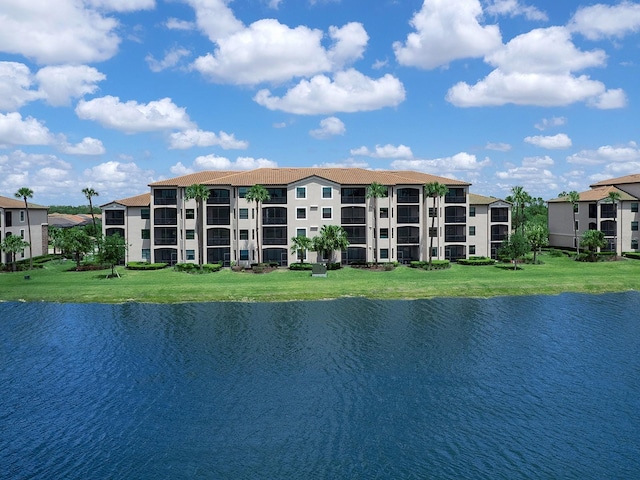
554	276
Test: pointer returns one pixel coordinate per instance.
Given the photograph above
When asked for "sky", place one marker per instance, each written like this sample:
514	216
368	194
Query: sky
117	94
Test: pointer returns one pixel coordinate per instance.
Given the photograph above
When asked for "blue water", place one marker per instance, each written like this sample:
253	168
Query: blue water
524	387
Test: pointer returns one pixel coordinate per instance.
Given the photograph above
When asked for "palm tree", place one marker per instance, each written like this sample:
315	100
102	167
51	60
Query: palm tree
435	190
574	199
12	244
26	193
520	197
331	238
258	194
200	193
614	197
299	245
375	191
90	193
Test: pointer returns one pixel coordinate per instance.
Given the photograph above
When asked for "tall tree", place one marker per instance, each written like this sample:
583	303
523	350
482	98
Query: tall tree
436	191
330	239
77	242
112	251
374	192
574	199
520	198
515	247
538	236
258	194
90	193
26	193
592	240
12	244
299	245
614	198
200	193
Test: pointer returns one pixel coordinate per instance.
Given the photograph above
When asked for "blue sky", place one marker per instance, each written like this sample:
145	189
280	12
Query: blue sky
116	94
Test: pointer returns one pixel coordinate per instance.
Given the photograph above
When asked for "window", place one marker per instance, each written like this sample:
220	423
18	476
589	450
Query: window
165	196
145	234
244	234
326	212
576	227
21	216
146	254
575	207
472	249
634	207
301	213
432	212
301	192
21	233
145	213
472	230
634	244
384	253
242	191
384	213
301	232
191	254
244	254
472	211
433	232
634	226
244	213
190	234
384	233
327	192
190	214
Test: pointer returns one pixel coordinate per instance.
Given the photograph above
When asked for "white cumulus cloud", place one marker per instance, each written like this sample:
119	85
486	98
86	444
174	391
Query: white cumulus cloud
88	146
349	91
607	154
559	141
215	162
462	161
329	127
384	151
14	130
602	21
134	117
200	138
447	30
60	84
16	84
514	8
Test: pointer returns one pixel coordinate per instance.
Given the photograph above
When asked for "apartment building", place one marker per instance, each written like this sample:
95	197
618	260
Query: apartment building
13	221
161	226
618	221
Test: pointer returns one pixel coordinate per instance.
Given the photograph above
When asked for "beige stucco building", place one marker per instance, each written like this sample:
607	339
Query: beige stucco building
618	222
13	221
161	226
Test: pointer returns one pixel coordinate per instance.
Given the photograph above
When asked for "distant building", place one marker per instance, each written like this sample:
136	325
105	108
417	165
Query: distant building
13	221
618	222
160	226
67	220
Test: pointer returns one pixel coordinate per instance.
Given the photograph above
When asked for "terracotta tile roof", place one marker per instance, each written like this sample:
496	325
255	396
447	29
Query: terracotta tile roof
138	201
475	199
6	202
596	194
286	176
186	180
67	220
634	178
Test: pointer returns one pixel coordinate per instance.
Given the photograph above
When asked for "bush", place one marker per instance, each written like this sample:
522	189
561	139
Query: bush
334	266
633	255
194	268
476	261
554	252
301	266
435	264
146	266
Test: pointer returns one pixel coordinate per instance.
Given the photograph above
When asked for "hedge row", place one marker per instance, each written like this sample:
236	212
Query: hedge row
193	268
477	261
634	255
146	266
435	264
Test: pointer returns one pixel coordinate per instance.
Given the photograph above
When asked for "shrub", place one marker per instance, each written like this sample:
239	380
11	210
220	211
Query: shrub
211	267
634	255
554	252
334	266
301	266
435	264
145	266
476	261
194	268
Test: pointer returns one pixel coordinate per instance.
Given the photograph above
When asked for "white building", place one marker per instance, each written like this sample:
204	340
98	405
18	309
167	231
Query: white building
13	221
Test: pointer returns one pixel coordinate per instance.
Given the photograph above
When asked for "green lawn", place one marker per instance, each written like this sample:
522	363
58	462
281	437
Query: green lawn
556	275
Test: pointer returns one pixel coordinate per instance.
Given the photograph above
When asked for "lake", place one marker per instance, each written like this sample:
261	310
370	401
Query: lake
514	387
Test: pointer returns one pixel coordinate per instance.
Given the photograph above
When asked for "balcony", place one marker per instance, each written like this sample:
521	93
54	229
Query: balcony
455	195
274	236
455	219
408	219
352	215
165	197
219	196
408	195
353	195
498	237
499	218
408	239
111	218
455	238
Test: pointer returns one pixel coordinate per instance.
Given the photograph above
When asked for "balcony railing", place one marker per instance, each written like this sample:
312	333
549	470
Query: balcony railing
352	220
407	239
109	221
408	198
353	199
455	238
275	241
408	219
455	199
274	221
455	219
165	241
499	218
165	221
498	237
212	242
357	240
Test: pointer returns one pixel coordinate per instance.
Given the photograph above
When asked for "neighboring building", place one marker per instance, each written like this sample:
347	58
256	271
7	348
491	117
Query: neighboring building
130	218
618	222
161	226
13	221
489	225
67	220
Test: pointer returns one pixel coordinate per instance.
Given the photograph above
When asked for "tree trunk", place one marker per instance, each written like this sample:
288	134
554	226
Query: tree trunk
258	229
